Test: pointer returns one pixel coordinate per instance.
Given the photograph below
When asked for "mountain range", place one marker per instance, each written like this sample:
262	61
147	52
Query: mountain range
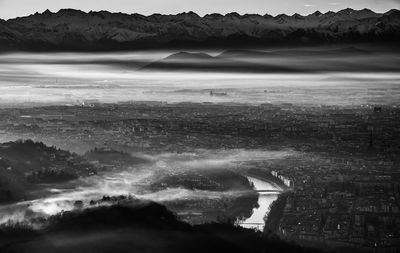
70	29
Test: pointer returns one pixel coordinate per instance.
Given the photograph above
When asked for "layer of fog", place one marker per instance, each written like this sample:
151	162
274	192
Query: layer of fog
135	180
326	77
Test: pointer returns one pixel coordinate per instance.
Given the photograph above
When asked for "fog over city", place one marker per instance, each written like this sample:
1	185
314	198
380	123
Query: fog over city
278	76
212	126
133	181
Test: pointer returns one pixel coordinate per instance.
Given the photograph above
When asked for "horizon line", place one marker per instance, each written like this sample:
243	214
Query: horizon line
193	12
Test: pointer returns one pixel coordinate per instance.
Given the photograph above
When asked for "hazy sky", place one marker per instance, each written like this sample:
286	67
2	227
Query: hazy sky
14	8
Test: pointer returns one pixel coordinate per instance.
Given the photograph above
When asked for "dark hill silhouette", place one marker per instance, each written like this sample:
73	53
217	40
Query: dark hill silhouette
184	61
24	163
28	156
139	228
188	56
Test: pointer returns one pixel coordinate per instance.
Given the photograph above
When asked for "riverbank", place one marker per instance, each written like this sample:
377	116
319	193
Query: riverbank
267	176
275	213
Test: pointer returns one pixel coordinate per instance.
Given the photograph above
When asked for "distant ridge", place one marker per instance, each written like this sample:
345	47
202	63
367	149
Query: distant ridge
186	55
318	59
184	61
70	29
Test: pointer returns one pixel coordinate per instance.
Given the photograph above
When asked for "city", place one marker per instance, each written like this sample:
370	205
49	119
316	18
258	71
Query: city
341	177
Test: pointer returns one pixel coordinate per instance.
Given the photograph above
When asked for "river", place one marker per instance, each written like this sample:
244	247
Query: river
265	199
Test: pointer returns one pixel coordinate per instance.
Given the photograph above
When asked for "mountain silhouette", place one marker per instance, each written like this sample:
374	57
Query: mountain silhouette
70	29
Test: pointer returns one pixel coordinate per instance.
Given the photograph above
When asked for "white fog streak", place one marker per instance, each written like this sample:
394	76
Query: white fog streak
134	180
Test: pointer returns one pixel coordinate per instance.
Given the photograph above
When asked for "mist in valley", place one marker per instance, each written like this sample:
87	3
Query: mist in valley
135	180
339	75
322	76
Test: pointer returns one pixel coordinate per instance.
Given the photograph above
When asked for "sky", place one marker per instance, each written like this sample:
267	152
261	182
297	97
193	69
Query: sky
16	8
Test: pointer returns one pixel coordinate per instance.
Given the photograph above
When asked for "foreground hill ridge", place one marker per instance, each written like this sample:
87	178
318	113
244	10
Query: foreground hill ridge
70	29
140	227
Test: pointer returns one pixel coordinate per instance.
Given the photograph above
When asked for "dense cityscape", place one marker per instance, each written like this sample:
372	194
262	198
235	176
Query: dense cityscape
341	178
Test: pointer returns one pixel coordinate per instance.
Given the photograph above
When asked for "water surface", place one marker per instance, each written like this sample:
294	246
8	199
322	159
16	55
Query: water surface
265	199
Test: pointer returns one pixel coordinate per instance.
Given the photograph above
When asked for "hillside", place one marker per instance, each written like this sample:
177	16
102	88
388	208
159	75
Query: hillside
70	29
24	164
11	182
113	157
136	228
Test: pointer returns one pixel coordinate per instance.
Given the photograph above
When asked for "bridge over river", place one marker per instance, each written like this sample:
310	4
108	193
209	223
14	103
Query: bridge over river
269	191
